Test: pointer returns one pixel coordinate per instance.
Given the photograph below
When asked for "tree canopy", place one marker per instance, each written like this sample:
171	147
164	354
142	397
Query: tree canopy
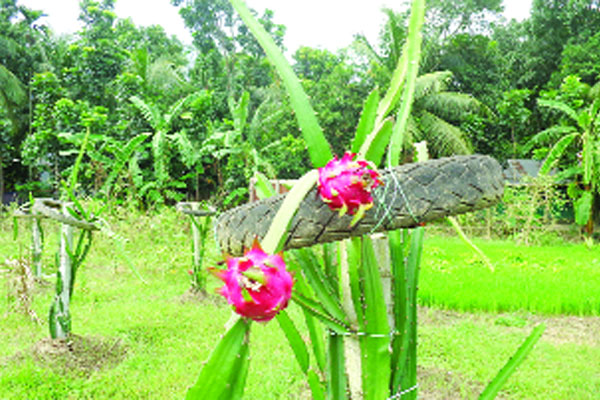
480	78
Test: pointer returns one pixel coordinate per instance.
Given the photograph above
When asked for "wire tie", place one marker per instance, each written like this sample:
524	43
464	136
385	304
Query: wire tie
402	393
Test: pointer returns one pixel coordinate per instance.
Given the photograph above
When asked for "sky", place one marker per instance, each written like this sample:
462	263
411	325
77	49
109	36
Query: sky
331	28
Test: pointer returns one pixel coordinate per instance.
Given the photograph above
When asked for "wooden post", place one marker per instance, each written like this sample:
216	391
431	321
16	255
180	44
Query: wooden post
196	237
36	246
351	343
199	235
382	253
60	315
352	353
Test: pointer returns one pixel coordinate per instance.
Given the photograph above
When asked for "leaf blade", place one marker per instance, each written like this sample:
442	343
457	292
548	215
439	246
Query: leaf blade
294	339
213	380
275	237
413	52
375	356
509	368
318	147
366	124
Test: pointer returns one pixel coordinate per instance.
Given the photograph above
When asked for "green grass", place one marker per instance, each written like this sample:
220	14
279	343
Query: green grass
168	338
551	279
457	352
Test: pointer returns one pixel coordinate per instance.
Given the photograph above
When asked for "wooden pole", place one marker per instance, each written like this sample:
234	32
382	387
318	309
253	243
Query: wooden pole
61	317
37	246
196	238
352	352
382	253
199	234
351	343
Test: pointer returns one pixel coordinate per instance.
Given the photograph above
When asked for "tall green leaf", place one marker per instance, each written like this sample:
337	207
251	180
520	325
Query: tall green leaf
316	334
413	54
354	252
313	268
318	147
408	355
336	378
315	330
509	368
559	106
277	233
374	345
379	142
394	91
318	281
316	388
239	374
317	310
366	124
556	152
263	187
400	306
294	339
583	208
219	378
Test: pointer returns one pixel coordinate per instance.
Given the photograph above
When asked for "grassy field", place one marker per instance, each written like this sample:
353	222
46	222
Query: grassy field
551	279
151	338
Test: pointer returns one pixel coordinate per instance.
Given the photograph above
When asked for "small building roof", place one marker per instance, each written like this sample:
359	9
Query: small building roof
518	169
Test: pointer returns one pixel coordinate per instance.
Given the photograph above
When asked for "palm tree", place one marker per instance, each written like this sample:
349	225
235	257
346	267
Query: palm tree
13	98
161	75
436	112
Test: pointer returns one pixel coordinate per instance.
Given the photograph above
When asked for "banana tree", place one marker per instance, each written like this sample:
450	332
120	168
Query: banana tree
108	157
162	125
582	129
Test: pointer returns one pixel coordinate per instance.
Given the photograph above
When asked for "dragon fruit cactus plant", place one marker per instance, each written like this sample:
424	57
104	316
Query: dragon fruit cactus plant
257	285
346	184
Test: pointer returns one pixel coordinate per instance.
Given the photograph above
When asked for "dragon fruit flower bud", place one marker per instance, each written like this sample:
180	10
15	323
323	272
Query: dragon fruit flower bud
257	285
346	184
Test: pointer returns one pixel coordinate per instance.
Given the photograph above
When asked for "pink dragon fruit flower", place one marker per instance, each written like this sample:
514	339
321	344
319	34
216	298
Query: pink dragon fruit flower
257	285
346	184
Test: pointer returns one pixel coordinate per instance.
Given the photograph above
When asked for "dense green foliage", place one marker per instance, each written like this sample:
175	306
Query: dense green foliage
478	90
